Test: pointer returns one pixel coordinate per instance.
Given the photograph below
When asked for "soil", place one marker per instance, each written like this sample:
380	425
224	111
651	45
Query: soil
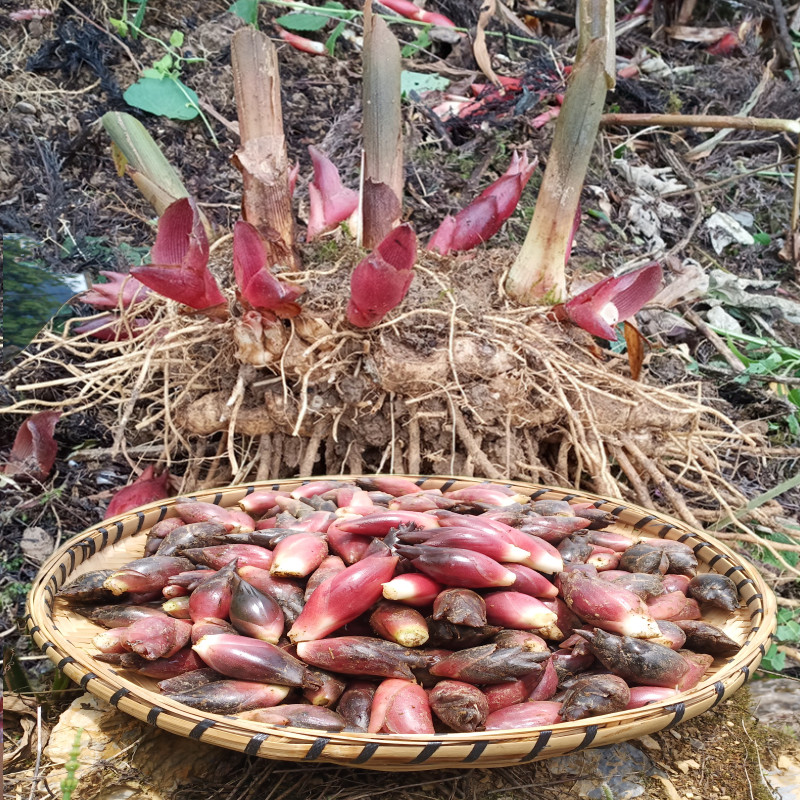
461	381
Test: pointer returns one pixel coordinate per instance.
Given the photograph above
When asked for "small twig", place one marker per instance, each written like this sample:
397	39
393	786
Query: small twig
703	121
35	780
473	450
715	339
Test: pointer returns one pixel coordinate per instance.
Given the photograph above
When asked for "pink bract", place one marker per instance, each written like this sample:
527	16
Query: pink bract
179	268
381	280
120	290
330	202
258	286
34	451
145	489
612	300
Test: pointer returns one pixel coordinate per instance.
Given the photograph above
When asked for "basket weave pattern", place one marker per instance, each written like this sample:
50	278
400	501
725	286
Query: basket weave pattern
65	637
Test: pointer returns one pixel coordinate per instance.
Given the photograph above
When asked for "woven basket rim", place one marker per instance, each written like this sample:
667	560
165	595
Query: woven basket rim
225	730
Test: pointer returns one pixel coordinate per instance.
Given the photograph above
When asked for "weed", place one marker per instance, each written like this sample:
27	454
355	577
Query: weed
788	631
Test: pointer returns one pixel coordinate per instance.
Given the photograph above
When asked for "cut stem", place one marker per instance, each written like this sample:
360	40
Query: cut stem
382	174
537	275
262	158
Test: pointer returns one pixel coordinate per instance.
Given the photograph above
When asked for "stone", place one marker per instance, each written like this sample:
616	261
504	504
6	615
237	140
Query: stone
621	768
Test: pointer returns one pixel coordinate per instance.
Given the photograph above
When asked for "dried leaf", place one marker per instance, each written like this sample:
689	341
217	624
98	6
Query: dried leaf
479	45
37	544
34	451
635	343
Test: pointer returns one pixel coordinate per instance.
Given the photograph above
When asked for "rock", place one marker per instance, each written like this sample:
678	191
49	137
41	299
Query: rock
148	763
37	544
621	768
776	702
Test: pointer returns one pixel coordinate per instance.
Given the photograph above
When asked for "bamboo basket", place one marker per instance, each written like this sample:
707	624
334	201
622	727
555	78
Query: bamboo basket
66	639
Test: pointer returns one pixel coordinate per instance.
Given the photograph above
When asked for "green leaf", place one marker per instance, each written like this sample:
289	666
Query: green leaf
302	21
139	18
152	73
762	238
330	42
421	82
167	97
420	43
773	660
176	39
119	26
246	10
164	64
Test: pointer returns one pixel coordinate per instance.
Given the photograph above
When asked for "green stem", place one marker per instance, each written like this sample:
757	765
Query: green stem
757	502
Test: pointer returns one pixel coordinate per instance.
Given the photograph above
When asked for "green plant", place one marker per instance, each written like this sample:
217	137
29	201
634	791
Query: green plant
765	358
70	783
788	630
123	26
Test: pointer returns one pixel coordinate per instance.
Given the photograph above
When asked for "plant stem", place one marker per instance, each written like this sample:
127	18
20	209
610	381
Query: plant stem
262	157
381	199
537	275
703	121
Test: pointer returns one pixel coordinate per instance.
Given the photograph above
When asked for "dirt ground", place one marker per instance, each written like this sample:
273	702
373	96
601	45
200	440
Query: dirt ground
61	195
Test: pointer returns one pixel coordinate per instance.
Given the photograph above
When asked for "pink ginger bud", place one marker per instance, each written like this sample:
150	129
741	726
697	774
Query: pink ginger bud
120	290
411	11
342	598
145	489
412	588
259	287
301	43
381	522
525	715
28	14
380	282
400	706
518	611
485	215
330	202
298	556
611	300
34	451
179	268
156	637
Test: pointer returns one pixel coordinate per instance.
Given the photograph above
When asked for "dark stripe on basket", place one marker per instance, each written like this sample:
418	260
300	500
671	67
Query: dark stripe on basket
64	661
71	552
541	743
315	751
276	487
666	529
719	688
746	670
734	569
120	528
757	596
476	752
744	583
89	544
446	485
591	732
105	537
63	569
714	560
419	482
617	511
369	749
761	648
428	750
201	728
679	709
54	581
567	497
152	714
598	503
140	517
538	493
163	510
118	695
217	498
250	490
89	676
254	745
643	521
755	629
683	537
759	610
35	629
698	547
46	645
